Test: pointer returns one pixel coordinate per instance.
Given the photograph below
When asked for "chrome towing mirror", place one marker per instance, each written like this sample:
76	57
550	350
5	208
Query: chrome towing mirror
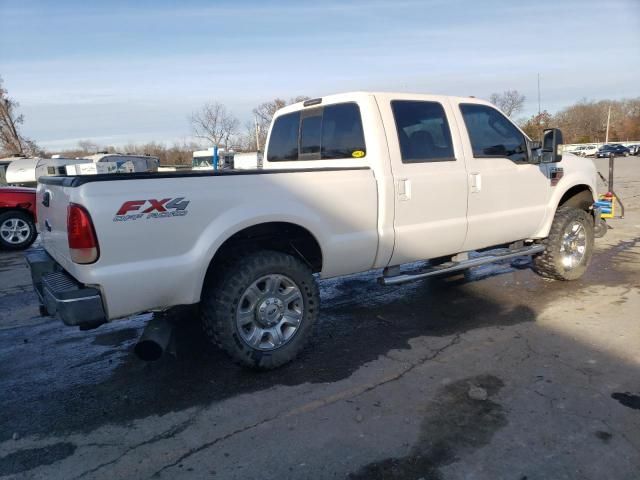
551	141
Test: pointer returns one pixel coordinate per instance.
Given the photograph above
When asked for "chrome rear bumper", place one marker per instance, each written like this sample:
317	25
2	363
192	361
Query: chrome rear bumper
62	295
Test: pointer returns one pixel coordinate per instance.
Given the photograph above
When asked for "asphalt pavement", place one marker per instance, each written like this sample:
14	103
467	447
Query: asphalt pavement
494	374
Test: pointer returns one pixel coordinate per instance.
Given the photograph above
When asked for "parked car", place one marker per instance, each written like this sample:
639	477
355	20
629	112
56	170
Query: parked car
17	217
4	164
585	150
350	183
634	149
616	149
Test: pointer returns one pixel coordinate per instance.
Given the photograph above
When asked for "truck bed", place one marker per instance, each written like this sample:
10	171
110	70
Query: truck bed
151	258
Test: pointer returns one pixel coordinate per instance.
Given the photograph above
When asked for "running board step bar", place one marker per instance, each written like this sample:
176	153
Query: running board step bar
457	266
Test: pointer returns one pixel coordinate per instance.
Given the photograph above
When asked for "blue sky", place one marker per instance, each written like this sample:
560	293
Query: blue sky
119	72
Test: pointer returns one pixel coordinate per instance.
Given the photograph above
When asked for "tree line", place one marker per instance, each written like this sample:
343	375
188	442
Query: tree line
582	122
214	124
586	121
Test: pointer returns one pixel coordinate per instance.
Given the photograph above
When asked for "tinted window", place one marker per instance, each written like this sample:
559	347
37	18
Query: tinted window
330	132
310	134
491	134
283	143
423	131
342	135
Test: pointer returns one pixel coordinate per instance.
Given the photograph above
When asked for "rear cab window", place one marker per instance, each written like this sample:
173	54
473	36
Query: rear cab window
283	143
330	132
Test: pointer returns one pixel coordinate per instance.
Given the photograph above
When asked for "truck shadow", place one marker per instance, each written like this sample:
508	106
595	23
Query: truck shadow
88	379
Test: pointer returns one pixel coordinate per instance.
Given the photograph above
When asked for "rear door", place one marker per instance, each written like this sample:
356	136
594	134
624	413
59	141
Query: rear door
430	178
507	195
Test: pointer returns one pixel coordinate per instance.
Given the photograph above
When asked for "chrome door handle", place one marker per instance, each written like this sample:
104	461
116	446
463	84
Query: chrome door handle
476	182
404	189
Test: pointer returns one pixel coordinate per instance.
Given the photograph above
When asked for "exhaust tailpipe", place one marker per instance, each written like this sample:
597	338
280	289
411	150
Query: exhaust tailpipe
155	339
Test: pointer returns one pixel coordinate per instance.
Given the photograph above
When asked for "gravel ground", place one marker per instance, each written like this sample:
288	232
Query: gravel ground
495	374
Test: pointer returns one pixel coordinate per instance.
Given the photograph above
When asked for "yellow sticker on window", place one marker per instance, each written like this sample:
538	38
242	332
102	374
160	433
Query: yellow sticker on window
357	154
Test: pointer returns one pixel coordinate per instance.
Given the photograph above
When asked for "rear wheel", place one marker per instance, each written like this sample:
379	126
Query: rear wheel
569	246
17	230
261	308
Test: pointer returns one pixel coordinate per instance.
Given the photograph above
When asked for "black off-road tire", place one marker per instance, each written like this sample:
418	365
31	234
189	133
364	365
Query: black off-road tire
223	290
28	220
548	264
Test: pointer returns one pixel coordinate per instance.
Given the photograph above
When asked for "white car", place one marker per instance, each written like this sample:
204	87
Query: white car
585	150
351	182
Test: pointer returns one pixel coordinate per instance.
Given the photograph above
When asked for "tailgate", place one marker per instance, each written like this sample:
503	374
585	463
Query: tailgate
52	200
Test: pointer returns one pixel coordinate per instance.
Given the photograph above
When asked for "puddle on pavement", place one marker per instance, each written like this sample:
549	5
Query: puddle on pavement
627	399
28	459
455	424
604	436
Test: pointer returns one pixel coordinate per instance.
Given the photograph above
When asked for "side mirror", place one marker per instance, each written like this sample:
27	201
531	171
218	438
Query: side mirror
551	141
534	152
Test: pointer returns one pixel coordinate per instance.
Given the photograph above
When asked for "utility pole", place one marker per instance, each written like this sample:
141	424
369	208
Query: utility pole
606	140
539	94
255	119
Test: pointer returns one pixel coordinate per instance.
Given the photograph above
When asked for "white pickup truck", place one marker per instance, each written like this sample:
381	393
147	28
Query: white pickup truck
350	183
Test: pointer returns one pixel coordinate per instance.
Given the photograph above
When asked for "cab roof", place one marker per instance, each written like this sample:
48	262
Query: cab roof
350	96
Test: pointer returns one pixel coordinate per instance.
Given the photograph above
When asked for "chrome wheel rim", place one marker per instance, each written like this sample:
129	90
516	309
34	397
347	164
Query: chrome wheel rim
269	312
574	245
15	231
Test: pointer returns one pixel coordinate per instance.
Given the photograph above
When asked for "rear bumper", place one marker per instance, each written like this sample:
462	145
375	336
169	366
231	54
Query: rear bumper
62	295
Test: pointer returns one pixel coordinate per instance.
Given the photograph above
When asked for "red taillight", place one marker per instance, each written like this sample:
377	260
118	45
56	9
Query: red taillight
83	244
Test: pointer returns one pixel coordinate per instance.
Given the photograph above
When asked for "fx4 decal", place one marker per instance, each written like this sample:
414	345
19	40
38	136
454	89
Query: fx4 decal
152	208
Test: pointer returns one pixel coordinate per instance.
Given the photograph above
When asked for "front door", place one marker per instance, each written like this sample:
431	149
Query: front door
507	195
430	180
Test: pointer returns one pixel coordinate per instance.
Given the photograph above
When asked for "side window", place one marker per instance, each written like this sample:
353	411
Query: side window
423	131
491	134
342	135
283	143
324	133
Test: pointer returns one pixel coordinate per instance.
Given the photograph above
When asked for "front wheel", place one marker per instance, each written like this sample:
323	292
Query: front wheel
261	308
569	246
17	230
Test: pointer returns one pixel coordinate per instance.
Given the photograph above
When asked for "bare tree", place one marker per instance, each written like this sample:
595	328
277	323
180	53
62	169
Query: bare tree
510	102
265	111
535	125
11	141
214	123
246	141
88	146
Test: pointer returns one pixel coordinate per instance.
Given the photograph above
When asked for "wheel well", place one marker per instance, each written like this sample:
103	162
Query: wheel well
279	236
579	196
16	209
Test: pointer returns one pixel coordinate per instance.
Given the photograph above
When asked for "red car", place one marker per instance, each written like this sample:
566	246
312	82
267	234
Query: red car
17	217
